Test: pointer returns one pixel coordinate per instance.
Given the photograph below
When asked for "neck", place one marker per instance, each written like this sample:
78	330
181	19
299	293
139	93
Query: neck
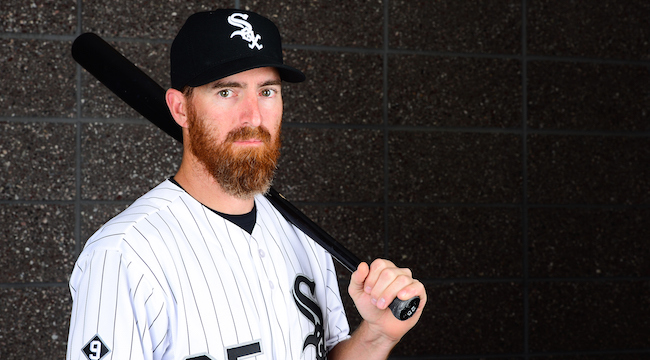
205	189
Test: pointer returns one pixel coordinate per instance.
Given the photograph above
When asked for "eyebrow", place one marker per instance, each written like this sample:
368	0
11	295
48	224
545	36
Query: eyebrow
271	82
233	84
226	84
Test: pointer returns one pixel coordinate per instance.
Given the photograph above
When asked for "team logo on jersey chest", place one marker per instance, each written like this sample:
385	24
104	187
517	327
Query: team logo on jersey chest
312	311
246	32
95	349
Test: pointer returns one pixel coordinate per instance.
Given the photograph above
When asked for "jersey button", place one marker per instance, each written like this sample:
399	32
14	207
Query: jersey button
271	285
262	253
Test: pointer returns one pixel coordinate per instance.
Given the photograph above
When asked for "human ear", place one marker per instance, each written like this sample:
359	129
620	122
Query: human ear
176	102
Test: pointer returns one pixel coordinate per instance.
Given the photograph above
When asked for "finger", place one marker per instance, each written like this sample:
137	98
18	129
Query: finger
416	288
358	278
376	269
387	290
389	282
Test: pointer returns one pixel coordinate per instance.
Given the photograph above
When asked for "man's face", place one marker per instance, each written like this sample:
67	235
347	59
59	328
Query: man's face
234	130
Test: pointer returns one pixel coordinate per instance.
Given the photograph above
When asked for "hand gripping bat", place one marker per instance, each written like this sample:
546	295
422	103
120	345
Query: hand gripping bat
145	96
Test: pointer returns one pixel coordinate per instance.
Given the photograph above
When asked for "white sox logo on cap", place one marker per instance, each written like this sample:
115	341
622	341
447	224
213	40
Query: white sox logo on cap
246	32
215	44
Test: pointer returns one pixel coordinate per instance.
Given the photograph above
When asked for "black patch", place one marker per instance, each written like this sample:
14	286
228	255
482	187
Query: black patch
95	349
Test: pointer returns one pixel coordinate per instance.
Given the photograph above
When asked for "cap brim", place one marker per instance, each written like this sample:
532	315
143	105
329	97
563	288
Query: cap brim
220	71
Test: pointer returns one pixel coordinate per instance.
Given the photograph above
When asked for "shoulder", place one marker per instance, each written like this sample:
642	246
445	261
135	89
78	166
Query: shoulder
113	235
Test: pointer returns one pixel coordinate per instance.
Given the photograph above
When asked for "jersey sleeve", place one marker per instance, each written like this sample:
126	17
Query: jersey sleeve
116	312
338	328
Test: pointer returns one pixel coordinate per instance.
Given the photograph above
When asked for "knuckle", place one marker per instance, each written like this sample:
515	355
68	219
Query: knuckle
404	280
386	275
378	265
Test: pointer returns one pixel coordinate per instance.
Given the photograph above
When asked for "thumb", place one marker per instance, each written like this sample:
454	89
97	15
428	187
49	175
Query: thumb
358	279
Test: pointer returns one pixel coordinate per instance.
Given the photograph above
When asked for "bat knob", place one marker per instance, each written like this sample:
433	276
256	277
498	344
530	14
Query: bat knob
404	309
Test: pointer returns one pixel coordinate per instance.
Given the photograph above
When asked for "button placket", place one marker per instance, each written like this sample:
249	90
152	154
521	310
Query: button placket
261	260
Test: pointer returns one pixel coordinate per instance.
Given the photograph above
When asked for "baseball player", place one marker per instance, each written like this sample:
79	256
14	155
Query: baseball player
203	266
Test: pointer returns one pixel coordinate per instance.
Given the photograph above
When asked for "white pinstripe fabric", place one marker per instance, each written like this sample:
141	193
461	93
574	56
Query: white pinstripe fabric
170	279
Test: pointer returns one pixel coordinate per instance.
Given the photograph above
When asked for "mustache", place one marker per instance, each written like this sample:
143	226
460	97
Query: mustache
247	133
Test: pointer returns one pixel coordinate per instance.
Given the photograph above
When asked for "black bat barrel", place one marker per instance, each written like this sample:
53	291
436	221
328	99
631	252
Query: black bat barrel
125	80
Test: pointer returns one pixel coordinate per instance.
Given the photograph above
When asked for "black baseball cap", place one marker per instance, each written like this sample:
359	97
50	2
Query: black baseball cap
215	44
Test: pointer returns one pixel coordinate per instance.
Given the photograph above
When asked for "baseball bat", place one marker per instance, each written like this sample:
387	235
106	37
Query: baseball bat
145	96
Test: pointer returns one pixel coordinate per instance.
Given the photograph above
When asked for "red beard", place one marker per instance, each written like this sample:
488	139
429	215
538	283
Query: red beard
242	173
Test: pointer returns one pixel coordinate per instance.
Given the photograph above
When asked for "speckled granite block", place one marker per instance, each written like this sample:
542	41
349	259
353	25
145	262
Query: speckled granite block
344	88
123	161
584	96
34	323
358	229
467	319
454	167
99	102
331	165
38	78
37	243
37	161
454	92
589	316
460	319
142	18
40	17
456	26
588	169
589	242
612	29
329	23
457	242
93	216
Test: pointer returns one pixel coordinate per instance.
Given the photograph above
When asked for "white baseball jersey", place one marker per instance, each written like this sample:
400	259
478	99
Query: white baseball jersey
170	279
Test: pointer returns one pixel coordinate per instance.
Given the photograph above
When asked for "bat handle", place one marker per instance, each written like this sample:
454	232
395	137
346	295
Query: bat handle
404	309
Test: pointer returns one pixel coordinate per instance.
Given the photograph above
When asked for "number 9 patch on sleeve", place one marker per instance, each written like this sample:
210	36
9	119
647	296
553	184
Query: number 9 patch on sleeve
95	349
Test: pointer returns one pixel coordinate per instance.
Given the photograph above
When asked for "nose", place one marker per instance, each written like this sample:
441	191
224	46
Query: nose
251	114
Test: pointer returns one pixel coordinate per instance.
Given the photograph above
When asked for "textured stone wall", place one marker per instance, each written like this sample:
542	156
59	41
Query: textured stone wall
499	148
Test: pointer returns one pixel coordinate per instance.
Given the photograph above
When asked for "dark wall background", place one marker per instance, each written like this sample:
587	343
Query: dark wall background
498	148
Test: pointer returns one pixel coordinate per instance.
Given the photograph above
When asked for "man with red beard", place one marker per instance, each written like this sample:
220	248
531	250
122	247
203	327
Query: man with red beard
203	266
